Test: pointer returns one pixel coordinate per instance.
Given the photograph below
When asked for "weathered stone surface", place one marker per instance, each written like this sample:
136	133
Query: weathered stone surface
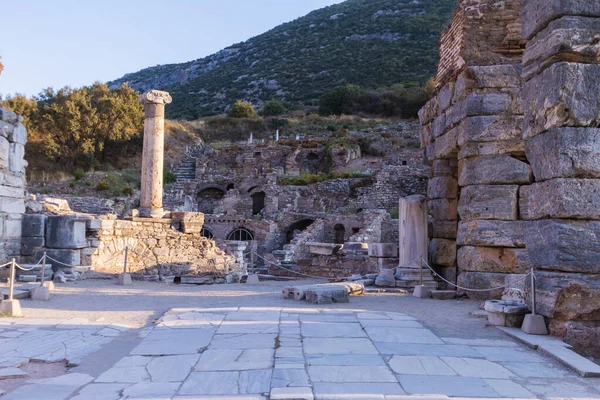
442	252
487	104
383	250
559	245
16	161
62	259
538	13
561	96
493	259
386	278
438	126
34	225
8	116
445	96
446	146
493	170
4	152
445	168
443	229
65	232
189	222
565	153
489	202
429	111
492	128
492	233
481	280
583	336
29	244
18	134
561	198
570	38
425	135
443	209
566	296
493	76
443	187
515	148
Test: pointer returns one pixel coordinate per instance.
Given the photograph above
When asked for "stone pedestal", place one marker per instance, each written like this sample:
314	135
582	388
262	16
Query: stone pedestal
124	280
151	195
41	293
236	249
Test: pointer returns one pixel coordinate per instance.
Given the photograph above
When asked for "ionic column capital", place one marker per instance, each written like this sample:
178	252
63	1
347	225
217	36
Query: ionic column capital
156	97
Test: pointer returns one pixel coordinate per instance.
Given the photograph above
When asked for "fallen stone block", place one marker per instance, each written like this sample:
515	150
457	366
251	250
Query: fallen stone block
493	170
491	233
483	202
443	294
197	280
189	222
505	313
565	153
386	278
561	198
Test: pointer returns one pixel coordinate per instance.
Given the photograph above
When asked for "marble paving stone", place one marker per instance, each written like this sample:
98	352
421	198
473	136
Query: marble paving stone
285	365
171	368
371	315
424	365
253	316
391	323
561	389
509	354
41	391
289	378
104	391
255	382
327	318
12	372
477	368
151	390
124	375
339	346
243	341
133	361
226	397
284	352
481	342
536	370
210	383
258	327
209	318
400	316
331	329
174	341
359	391
336	373
402	335
344	359
292	393
446	385
427	350
508	388
235	360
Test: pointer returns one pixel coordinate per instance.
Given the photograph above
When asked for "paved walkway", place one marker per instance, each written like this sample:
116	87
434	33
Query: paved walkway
293	353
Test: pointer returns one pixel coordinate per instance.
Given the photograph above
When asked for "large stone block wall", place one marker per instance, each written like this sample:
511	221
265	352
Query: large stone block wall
13	137
561	128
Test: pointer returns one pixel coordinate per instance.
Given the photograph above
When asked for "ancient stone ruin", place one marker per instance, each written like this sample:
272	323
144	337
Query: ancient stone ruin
513	142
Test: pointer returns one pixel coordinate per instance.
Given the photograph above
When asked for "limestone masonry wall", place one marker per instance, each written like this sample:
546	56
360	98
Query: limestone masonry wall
13	137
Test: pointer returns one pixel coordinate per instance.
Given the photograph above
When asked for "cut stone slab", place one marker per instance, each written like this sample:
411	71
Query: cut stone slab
420	365
293	393
324	329
443	294
427	350
12	372
104	391
336	373
446	385
151	390
491	233
402	335
210	383
508	388
339	346
497	202
538	13
171	368
562	198
173	342
493	170
255	382
235	359
367	391
343	359
477	368
535	370
289	378
243	341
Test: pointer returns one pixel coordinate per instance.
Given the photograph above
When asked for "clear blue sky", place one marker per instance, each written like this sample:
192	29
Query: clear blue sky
77	42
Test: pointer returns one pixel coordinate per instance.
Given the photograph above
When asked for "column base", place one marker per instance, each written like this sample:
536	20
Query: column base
11	308
152	212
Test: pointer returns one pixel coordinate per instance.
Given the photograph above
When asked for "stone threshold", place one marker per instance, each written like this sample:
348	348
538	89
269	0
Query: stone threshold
557	349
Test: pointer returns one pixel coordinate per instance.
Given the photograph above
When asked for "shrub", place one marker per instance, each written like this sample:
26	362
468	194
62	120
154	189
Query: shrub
272	108
169	177
78	174
102	185
128	191
72	184
241	109
340	100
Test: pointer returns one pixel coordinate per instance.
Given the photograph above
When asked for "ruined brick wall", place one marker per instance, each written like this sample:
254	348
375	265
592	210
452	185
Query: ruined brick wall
13	137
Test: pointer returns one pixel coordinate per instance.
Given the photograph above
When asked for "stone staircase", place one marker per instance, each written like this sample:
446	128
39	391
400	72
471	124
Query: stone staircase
185	171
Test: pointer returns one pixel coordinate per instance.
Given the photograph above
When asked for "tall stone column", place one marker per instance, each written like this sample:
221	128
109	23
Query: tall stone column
151	195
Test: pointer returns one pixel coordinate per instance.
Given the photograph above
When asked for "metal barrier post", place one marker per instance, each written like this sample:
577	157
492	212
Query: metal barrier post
11	283
532	291
534	324
421	272
125	263
43	269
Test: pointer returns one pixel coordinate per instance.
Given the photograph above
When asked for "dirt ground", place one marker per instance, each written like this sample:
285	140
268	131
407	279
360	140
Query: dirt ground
139	305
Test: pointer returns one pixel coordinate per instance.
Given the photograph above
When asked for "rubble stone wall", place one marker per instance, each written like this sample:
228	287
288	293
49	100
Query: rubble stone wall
13	137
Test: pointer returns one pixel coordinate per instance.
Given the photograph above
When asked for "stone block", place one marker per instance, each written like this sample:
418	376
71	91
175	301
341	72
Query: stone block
443	229
583	336
16	159
493	259
446	146
438	126
30	244
490	128
559	245
487	103
492	233
189	222
14	192
425	135
65	232
12	227
6	129
560	96
565	153
429	111
442	252
493	170
443	187
480	77
445	168
100	224
561	198
8	116
4	153
481	280
570	38
456	113
34	225
537	14
514	148
65	259
11	179
383	250
18	135
443	209
445	96
566	296
489	202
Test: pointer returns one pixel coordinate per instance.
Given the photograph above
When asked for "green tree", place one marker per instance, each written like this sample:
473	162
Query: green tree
1	65
241	109
273	108
339	100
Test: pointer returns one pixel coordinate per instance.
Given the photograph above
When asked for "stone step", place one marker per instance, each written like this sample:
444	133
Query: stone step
443	294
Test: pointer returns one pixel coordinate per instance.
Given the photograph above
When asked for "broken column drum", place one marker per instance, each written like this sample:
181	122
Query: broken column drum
151	195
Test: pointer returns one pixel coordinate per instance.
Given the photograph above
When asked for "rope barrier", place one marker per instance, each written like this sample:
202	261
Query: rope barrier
467	289
292	271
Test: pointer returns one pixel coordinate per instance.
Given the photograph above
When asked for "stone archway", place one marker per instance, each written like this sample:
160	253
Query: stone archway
208	198
339	234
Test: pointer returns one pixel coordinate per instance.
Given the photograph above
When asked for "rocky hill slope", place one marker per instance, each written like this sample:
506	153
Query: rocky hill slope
371	43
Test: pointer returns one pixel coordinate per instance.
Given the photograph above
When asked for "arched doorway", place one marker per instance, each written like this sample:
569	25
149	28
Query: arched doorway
310	162
241	235
258	203
207	233
301	225
340	234
208	199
